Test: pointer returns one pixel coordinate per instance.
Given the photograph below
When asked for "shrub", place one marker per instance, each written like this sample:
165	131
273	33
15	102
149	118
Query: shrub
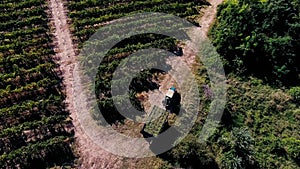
295	93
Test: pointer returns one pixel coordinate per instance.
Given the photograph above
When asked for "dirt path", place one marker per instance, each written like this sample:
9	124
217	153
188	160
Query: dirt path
91	156
155	97
209	15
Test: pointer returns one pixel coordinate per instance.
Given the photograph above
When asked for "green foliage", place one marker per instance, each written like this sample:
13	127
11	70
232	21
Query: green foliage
35	128
292	146
271	116
190	153
231	161
236	149
295	93
260	38
87	16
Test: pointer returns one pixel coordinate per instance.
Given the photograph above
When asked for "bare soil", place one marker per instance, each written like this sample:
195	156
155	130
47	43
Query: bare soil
91	155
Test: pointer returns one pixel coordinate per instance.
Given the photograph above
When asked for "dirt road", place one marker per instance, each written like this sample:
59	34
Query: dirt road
91	156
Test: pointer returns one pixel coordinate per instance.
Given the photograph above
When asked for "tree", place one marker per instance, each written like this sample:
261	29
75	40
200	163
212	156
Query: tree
190	153
236	149
259	38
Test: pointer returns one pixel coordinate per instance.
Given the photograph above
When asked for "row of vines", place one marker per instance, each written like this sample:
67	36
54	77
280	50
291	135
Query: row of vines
35	128
88	16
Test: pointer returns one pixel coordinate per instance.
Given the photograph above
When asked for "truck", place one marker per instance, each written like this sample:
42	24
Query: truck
169	98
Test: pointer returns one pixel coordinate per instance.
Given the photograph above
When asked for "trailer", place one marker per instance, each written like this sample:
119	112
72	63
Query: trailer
157	120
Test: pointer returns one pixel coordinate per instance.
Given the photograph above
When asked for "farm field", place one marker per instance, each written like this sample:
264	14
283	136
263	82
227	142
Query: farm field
40	44
88	16
35	128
